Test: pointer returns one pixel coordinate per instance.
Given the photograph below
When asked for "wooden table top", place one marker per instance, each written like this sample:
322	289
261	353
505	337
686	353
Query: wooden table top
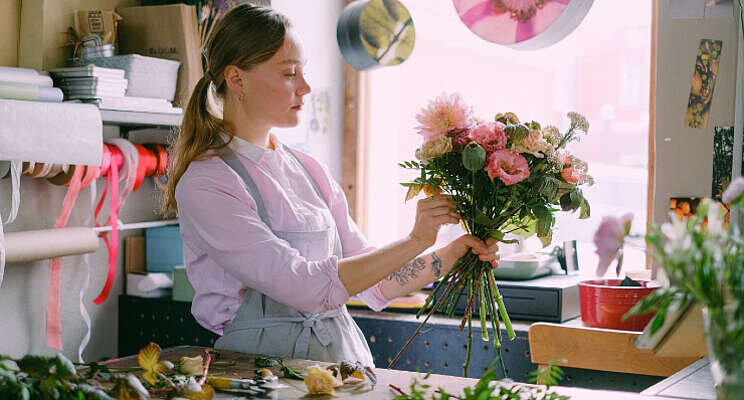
240	365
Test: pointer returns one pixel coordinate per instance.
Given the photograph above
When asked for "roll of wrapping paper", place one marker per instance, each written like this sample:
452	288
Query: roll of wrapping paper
28	246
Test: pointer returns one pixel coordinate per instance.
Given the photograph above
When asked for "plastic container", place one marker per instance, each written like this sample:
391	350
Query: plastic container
604	302
182	289
524	266
163	248
147	76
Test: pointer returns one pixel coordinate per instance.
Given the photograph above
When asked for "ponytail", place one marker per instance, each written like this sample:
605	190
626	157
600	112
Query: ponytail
199	133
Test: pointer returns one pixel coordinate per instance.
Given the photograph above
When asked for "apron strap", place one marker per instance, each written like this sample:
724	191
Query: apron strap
307	174
229	157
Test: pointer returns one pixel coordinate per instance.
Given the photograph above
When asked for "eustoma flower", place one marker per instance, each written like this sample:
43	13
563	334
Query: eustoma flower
609	239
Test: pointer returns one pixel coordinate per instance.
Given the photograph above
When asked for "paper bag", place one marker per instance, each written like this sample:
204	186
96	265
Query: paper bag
102	23
168	31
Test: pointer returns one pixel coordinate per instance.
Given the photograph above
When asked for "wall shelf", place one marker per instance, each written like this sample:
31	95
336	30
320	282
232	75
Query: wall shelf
131	119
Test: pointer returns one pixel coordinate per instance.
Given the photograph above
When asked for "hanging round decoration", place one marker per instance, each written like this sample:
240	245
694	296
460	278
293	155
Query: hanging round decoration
373	33
4	169
522	24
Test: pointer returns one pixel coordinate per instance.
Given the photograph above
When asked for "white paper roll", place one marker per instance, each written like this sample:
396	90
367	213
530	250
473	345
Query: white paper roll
27	246
61	133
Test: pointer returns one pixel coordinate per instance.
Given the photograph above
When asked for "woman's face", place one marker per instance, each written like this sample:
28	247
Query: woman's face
275	88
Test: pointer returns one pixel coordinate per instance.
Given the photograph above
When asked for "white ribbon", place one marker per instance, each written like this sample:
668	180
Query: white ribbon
86	261
15	201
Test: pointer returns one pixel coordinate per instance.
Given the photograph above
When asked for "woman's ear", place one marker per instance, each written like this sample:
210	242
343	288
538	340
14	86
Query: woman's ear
234	80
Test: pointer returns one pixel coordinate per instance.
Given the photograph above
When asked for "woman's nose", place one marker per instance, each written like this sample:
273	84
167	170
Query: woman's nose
304	87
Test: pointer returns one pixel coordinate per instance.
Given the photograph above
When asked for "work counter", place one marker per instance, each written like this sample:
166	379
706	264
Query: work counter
240	365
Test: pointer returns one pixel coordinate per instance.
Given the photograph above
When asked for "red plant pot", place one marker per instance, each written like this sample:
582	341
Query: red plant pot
604	302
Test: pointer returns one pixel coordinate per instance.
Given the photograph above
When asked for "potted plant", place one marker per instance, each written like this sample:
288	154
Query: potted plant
605	301
703	256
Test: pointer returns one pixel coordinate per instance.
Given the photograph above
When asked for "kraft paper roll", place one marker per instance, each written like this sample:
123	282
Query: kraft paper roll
68	133
27	246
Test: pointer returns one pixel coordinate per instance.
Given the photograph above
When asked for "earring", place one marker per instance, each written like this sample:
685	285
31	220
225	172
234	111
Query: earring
241	96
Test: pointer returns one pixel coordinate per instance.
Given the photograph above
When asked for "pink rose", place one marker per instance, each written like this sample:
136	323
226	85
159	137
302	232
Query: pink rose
572	175
510	166
490	136
564	157
460	138
609	239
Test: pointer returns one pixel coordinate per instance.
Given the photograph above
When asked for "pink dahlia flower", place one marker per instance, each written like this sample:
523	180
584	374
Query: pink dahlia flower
490	136
609	239
510	166
443	114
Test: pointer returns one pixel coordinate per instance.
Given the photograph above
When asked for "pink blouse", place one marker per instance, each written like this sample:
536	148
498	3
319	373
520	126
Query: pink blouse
227	248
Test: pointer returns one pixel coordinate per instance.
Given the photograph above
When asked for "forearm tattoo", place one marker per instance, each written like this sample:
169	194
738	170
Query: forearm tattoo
436	264
407	272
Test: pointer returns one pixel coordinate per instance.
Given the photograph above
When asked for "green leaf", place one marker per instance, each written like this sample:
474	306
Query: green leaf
36	366
650	303
585	210
483	220
566	202
496	234
64	367
266	362
575	198
473	157
547	239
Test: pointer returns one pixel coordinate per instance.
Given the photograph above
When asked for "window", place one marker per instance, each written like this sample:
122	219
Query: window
600	70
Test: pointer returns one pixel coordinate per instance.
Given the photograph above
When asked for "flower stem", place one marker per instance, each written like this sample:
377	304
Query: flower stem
469	317
483	310
502	307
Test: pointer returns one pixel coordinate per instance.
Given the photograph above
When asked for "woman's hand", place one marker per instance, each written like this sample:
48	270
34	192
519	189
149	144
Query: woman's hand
459	247
431	213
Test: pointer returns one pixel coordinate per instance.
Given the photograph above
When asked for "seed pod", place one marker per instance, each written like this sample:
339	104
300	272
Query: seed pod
473	157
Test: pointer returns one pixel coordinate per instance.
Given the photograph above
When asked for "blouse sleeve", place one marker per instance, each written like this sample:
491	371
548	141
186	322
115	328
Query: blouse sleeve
353	242
236	238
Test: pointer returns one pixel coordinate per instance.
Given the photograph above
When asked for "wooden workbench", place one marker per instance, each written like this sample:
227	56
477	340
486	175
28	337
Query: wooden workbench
243	367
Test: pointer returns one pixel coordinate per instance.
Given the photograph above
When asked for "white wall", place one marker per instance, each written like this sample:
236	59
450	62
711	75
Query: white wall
684	156
315	21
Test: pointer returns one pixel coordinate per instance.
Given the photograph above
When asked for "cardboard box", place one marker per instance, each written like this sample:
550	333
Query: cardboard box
134	255
168	31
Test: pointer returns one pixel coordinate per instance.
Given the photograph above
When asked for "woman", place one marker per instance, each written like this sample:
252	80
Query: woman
269	245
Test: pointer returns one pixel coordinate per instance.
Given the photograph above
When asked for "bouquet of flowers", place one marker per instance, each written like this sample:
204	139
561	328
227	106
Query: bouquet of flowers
505	176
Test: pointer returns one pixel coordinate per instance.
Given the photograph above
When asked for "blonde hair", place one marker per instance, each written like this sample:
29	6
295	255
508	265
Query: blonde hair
247	36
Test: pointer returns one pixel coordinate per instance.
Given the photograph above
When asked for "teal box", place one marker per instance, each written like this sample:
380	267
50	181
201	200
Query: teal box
163	248
182	289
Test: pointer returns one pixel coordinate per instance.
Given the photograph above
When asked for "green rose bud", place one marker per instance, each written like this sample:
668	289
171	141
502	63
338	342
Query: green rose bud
473	157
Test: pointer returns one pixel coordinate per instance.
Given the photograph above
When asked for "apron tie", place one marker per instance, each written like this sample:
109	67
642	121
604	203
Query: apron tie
310	324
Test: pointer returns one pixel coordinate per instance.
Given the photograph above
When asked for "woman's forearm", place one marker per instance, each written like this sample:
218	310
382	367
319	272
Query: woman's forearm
416	274
361	272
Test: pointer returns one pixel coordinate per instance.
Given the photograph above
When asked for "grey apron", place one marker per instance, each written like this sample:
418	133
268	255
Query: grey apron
265	326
